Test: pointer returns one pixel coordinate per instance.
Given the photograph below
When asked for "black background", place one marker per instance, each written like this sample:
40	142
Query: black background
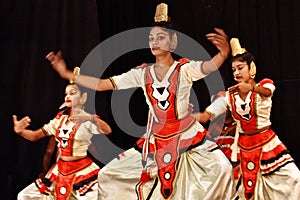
270	29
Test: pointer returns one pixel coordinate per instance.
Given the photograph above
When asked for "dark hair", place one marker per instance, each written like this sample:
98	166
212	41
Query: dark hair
171	29
168	26
80	88
247	56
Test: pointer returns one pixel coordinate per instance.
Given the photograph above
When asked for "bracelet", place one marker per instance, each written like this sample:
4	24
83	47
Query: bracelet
93	118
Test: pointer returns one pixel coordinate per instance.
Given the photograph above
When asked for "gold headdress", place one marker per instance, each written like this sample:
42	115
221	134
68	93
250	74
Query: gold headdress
76	72
161	14
237	49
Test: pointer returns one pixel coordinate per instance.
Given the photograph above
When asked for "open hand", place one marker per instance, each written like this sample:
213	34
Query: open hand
242	87
58	64
22	124
220	40
80	116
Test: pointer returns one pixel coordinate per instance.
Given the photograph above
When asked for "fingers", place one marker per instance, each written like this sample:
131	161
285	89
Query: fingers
218	41
22	124
24	120
79	116
233	89
190	108
15	118
52	56
49	55
59	54
215	38
221	32
219	36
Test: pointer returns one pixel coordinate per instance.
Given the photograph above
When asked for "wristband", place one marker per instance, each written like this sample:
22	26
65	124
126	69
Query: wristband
95	116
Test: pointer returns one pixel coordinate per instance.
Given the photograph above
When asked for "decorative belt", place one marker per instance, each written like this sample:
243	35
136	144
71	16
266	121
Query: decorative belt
70	167
169	129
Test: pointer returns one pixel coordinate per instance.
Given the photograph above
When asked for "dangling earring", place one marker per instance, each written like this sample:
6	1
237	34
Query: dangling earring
252	70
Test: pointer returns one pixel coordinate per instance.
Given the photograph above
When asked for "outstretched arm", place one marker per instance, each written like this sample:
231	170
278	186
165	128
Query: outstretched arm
202	117
215	109
20	128
102	125
59	65
220	40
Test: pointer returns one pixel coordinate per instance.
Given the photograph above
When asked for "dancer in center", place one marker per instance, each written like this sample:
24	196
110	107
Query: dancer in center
173	160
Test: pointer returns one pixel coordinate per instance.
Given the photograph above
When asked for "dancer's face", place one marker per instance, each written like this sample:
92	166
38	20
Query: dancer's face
72	96
240	71
159	41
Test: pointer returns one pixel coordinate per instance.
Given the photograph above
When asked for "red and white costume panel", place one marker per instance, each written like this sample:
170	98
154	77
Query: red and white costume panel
173	160
67	179
266	167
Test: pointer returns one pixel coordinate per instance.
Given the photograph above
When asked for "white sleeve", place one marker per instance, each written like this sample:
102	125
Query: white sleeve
269	86
218	107
50	128
193	70
267	83
93	128
132	78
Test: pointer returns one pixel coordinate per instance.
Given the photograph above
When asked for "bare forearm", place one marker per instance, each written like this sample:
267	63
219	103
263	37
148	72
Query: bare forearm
94	83
101	125
32	135
104	126
202	117
214	64
262	90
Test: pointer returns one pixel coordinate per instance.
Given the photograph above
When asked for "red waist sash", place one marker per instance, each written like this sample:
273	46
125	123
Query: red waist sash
170	129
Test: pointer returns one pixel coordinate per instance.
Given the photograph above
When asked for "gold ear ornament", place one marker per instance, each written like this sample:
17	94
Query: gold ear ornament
76	72
252	70
173	44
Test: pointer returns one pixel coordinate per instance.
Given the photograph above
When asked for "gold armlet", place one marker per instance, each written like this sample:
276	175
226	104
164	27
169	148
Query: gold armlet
212	116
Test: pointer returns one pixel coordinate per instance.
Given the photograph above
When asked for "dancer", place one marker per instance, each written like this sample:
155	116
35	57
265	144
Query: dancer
173	160
74	175
266	169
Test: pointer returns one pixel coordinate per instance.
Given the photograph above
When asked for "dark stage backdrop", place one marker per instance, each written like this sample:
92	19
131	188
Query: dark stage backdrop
270	29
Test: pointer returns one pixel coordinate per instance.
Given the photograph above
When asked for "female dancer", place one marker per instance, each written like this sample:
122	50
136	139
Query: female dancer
176	160
74	175
266	169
